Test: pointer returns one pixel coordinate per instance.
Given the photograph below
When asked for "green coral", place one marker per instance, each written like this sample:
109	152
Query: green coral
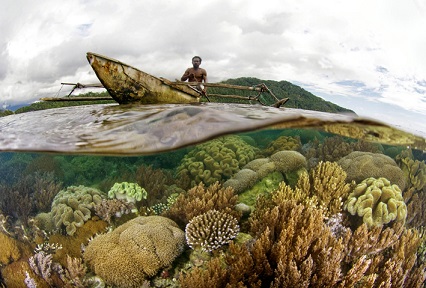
377	201
283	143
264	174
71	208
130	192
216	160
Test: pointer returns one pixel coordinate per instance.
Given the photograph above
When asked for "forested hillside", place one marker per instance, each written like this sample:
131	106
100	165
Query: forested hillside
298	97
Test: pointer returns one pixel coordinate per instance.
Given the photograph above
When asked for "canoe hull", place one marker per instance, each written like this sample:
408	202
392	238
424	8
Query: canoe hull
127	84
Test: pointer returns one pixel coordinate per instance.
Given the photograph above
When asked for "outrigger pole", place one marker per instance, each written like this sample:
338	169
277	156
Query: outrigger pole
258	88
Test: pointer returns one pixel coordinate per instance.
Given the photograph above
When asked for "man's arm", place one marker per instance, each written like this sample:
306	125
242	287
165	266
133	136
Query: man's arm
185	75
205	76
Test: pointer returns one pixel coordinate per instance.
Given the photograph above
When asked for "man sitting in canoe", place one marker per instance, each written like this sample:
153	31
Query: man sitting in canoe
195	73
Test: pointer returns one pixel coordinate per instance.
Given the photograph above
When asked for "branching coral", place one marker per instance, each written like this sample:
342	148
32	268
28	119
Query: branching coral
362	165
324	187
295	248
199	200
134	251
377	201
211	230
216	160
109	208
9	249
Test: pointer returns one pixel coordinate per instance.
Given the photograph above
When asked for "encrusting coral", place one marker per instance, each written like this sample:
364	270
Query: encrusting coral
377	201
130	192
211	230
134	251
362	165
216	160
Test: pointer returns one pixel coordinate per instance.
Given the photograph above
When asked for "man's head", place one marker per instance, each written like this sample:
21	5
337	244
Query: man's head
196	61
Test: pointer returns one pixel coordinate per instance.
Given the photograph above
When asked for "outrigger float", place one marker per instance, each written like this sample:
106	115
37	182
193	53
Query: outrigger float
127	84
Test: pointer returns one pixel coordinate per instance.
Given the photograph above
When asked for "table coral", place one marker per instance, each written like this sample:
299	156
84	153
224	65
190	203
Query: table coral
361	165
131	192
211	230
216	160
377	201
134	251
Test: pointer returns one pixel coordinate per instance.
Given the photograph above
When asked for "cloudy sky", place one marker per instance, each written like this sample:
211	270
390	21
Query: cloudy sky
368	56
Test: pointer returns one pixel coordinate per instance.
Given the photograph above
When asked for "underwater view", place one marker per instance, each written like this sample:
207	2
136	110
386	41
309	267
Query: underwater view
209	195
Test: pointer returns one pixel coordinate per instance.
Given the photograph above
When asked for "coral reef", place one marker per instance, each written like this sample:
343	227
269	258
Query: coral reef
130	192
134	251
211	230
284	162
377	201
216	160
199	200
293	247
362	165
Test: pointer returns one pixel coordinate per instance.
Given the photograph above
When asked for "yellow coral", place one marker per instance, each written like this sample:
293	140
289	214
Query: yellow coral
377	201
9	251
135	250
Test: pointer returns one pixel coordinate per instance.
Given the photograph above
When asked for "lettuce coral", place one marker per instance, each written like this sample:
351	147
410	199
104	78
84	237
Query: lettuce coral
377	201
131	192
361	165
216	160
71	208
134	251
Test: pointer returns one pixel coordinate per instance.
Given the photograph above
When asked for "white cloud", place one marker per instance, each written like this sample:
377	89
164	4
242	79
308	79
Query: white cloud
364	51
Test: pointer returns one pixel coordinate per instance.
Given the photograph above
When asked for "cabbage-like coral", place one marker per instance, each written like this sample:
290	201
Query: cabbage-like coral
216	160
71	208
361	165
131	192
377	201
134	251
211	230
415	171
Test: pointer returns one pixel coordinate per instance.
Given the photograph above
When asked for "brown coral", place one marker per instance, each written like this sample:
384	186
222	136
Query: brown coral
211	230
362	165
199	200
135	250
9	251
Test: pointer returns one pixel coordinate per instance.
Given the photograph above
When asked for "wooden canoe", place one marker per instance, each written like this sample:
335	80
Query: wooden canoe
127	84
